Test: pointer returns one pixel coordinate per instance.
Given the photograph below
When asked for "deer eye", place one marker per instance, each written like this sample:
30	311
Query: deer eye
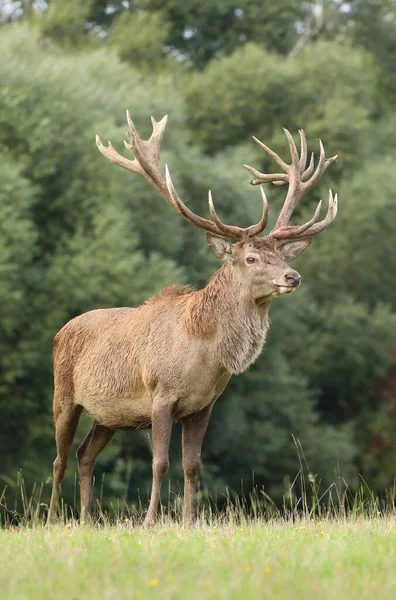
251	260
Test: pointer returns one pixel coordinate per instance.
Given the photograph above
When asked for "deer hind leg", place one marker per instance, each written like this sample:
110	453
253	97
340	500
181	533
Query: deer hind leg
193	432
97	438
66	421
161	421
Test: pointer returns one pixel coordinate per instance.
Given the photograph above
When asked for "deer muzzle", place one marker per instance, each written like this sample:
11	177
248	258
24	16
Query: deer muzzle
288	283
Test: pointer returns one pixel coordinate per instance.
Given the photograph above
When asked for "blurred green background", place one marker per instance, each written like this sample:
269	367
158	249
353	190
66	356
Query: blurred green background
78	233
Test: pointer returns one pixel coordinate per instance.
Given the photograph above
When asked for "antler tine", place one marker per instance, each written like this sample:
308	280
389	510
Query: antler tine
146	161
214	215
112	155
272	154
147	152
297	161
293	150
216	226
262	224
303	145
329	218
275	178
321	167
310	228
131	125
309	169
294	231
246	232
188	214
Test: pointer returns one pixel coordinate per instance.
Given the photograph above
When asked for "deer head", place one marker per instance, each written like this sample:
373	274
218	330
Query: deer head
260	264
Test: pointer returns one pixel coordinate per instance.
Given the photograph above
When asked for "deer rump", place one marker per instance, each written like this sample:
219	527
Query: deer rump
113	362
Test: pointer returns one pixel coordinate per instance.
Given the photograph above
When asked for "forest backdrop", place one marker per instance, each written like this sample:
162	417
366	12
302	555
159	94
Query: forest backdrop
78	233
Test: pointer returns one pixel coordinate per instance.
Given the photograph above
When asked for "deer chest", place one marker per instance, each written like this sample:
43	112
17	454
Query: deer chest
243	344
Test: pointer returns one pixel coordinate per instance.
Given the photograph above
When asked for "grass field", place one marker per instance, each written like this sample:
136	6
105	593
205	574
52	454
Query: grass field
332	559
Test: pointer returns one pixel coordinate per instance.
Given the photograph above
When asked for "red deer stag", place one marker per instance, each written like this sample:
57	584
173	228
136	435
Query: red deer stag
171	358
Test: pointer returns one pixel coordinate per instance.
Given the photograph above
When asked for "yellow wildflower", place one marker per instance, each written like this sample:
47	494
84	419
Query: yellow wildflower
267	570
153	582
248	569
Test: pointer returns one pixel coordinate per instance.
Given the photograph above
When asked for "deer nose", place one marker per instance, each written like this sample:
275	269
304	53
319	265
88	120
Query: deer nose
293	278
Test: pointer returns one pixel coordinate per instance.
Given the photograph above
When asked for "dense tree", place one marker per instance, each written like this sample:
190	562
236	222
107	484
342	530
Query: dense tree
371	24
17	248
329	88
192	31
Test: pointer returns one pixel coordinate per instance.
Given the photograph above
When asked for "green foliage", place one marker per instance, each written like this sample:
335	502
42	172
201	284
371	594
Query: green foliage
201	31
328	88
17	241
373	27
17	248
268	407
140	37
365	233
65	21
192	31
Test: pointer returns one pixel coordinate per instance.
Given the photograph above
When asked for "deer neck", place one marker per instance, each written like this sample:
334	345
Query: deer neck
222	313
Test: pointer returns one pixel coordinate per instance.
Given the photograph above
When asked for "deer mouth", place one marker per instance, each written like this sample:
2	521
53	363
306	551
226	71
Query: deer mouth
284	289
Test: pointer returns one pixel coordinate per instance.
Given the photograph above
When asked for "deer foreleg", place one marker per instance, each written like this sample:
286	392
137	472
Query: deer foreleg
161	434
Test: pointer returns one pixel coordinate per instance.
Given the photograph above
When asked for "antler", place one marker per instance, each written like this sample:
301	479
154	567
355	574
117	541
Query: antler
300	180
146	164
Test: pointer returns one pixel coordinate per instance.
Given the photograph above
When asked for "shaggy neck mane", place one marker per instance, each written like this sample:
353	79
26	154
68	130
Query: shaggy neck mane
222	312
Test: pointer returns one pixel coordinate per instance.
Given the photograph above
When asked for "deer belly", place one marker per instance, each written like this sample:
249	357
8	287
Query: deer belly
197	400
190	406
120	413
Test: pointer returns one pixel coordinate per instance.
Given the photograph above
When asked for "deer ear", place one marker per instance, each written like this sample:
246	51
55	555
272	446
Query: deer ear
220	247
291	250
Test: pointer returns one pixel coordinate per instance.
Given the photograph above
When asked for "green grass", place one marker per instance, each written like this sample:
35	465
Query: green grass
333	559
